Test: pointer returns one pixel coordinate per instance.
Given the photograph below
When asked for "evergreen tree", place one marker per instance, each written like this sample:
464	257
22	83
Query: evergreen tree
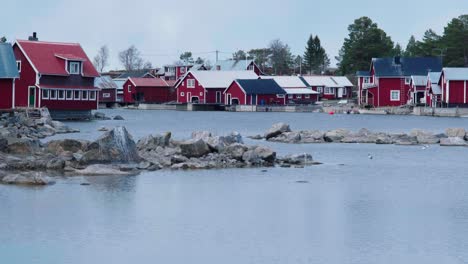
3	39
281	57
365	41
455	42
412	48
315	58
398	50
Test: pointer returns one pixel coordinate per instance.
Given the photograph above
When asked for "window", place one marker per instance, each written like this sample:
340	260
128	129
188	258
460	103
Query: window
18	65
394	95
92	95
328	90
201	93
366	79
69	94
74	67
280	95
84	95
76	95
307	96
319	89
345	90
251	67
190	83
45	94
299	96
106	95
129	88
290	96
407	80
182	69
182	93
61	94
53	94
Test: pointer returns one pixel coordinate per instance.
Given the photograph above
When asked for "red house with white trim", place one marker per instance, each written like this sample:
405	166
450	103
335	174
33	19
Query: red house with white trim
207	87
454	85
255	92
389	79
107	90
418	89
148	90
433	90
55	75
8	75
175	72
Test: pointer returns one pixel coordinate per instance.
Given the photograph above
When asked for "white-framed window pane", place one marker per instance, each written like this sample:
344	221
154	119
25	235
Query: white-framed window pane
84	95
61	94
395	95
69	94
74	68
76	95
407	80
53	94
92	95
45	94
307	96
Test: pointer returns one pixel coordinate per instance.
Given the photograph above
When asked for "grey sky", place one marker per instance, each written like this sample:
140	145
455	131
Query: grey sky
163	29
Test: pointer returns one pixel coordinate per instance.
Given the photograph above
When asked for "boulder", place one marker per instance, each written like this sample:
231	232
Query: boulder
276	130
23	146
61	128
256	137
298	159
336	135
194	148
118	117
455	132
33	178
103	129
236	150
101	116
404	139
218	143
56	164
97	170
424	137
312	136
453	141
287	137
116	145
59	146
152	142
259	155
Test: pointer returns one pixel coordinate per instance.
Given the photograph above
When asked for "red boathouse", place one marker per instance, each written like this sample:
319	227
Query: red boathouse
148	90
454	84
255	92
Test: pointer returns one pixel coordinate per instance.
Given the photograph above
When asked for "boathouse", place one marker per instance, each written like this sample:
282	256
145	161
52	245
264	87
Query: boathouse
255	92
454	85
147	90
107	90
8	76
433	90
297	90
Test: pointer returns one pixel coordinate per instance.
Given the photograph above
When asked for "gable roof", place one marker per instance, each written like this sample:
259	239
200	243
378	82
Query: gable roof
8	68
419	80
455	74
48	58
260	86
287	81
148	82
434	77
320	81
407	66
105	82
231	65
220	79
342	81
136	74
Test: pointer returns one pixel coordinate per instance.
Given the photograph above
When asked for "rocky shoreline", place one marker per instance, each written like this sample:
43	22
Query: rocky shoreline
24	159
282	133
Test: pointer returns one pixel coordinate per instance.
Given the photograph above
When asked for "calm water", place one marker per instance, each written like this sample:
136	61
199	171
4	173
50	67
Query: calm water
407	205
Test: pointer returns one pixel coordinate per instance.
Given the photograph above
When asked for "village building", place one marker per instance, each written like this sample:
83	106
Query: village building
330	87
123	77
297	90
107	91
207	87
255	92
237	65
8	75
389	79
418	89
59	76
175	72
454	85
433	90
148	90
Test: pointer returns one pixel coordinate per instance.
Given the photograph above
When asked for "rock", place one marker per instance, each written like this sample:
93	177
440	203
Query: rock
194	148
298	159
101	116
144	165
61	128
455	132
403	139
276	130
152	142
114	146
118	117
384	139
259	155
3	145
336	135
56	164
59	146
287	137
256	137
33	178
23	146
424	137
97	170
235	151
178	159
312	136
453	141
103	129
201	135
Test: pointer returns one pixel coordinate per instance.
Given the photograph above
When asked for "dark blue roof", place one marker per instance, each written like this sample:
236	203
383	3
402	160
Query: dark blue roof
363	73
8	68
406	66
261	86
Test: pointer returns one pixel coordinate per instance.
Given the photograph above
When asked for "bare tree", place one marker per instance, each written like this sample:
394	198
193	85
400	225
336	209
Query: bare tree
101	60
131	59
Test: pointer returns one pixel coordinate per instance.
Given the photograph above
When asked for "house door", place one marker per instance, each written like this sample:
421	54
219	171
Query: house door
32	96
218	97
254	99
189	97
340	92
228	99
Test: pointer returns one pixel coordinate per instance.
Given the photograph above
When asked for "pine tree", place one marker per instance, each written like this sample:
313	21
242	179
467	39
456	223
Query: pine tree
455	42
315	57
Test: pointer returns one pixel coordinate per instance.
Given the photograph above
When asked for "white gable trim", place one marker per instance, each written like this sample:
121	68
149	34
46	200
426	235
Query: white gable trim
29	60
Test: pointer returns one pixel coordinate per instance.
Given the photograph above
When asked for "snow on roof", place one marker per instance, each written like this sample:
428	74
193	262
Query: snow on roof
221	79
455	74
287	81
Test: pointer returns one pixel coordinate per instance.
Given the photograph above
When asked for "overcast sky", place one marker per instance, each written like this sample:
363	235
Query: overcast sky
163	29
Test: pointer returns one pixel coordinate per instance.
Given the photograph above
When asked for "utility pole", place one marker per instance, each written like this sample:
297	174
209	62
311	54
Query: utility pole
217	52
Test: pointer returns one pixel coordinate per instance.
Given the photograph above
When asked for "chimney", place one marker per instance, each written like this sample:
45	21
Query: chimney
33	37
397	60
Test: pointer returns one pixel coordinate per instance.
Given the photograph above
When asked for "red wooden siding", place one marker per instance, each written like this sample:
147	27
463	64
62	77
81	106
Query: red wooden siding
6	93
107	96
27	78
183	91
235	92
211	95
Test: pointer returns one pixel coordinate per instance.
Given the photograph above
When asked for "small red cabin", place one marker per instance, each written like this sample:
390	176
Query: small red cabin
107	90
453	82
55	75
8	75
148	90
255	92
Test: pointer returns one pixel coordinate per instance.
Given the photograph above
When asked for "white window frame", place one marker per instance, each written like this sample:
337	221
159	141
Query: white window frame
71	70
290	96
129	88
76	97
55	95
320	89
83	97
190	83
46	92
92	95
106	95
60	97
366	80
408	80
391	95
307	96
66	94
328	90
18	65
280	96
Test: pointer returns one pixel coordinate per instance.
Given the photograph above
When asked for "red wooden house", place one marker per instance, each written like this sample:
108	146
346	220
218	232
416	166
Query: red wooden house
8	75
390	79
237	65
55	75
418	89
107	90
148	90
207	87
433	90
255	92
175	72
454	85
297	89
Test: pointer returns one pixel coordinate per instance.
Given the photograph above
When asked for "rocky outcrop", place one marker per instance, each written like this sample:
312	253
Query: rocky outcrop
26	178
276	130
455	132
194	148
453	142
